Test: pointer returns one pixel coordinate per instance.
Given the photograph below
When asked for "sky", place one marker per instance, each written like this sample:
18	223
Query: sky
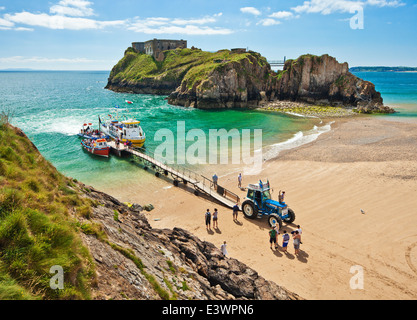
93	35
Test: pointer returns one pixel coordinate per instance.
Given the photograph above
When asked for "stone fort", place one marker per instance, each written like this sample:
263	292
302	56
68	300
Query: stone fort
155	47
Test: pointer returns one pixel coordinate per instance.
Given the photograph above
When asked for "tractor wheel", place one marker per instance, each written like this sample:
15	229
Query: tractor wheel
249	209
274	219
291	217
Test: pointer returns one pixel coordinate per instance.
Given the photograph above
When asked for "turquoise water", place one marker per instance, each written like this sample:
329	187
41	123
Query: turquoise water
398	89
50	108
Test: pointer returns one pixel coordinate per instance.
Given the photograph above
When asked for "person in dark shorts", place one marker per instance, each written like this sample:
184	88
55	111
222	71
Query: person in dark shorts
235	211
208	219
272	237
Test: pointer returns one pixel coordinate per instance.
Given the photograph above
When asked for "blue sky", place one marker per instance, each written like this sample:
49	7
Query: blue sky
92	35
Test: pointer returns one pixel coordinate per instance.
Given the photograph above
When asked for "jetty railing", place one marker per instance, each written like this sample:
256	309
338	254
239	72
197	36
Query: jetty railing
177	171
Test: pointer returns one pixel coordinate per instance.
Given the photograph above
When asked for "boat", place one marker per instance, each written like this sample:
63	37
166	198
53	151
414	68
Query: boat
124	131
98	147
128	101
88	132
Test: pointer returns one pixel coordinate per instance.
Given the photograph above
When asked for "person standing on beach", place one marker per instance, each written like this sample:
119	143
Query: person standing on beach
296	240
276	227
239	181
208	219
285	240
215	224
272	237
235	211
299	232
223	248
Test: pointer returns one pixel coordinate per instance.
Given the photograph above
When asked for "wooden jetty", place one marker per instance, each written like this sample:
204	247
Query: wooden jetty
179	174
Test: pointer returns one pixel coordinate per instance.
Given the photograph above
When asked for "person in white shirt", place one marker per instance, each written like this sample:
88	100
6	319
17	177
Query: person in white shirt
239	180
223	248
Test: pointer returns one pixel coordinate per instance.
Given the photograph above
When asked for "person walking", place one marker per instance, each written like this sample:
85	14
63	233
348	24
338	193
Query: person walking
215	178
215	224
272	237
235	211
223	248
239	181
285	240
296	240
208	219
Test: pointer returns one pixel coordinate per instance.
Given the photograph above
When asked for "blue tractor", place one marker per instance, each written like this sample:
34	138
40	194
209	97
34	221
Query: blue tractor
258	203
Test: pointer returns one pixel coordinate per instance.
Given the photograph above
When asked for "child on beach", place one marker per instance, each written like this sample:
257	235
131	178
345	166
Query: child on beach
215	224
285	240
208	219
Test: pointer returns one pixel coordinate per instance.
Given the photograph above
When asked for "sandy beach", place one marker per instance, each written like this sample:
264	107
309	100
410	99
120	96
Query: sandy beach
363	163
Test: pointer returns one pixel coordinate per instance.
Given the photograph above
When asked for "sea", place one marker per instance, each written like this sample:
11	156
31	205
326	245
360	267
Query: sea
52	106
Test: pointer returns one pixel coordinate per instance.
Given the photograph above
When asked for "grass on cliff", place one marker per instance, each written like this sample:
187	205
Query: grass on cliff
37	229
192	65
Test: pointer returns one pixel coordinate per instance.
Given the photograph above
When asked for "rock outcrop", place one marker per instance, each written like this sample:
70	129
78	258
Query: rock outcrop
323	80
240	79
234	84
135	261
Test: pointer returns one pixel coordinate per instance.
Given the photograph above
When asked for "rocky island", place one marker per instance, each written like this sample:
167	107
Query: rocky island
242	79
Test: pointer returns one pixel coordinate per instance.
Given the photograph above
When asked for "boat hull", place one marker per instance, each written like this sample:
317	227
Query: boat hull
102	152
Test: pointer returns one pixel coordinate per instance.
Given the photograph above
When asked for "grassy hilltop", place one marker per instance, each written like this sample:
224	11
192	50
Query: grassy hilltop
141	73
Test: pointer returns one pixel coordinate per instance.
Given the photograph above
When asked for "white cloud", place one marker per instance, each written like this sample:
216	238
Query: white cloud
73	15
269	22
58	21
326	7
251	10
161	25
281	15
75	8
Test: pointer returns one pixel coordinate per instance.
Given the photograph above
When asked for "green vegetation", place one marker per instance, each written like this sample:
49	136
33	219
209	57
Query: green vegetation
192	65
37	230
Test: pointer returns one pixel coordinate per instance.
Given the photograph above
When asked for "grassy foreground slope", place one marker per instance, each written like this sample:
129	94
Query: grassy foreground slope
37	225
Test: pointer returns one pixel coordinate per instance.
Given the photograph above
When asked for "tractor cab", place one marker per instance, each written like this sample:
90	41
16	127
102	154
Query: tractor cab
258	202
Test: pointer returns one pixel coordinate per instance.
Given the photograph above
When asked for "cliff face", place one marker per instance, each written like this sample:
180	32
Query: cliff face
323	80
234	84
240	79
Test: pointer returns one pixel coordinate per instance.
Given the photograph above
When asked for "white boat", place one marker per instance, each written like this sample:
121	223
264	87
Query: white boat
124	131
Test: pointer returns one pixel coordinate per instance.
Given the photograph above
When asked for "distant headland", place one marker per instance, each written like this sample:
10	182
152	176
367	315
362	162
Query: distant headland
238	78
383	69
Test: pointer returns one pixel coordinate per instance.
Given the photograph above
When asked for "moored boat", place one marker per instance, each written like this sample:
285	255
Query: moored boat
125	131
98	147
88	132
